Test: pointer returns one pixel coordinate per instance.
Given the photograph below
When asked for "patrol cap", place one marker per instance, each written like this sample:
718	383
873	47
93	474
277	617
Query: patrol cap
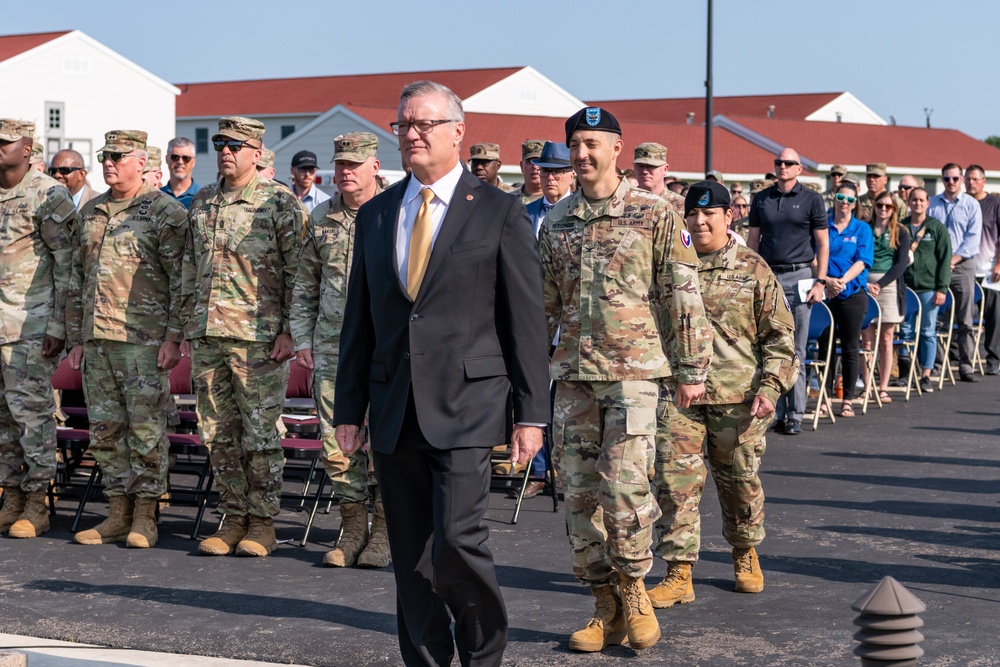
12	129
154	161
239	128
875	169
852	179
531	148
303	159
484	151
815	187
706	194
553	156
124	141
716	175
653	154
355	147
592	118
266	159
838	169
757	185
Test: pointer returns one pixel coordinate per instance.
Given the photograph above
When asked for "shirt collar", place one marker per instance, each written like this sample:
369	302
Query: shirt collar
443	189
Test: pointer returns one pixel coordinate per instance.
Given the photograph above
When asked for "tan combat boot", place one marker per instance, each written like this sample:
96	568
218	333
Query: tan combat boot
229	534
606	628
376	554
353	536
260	539
643	628
749	578
676	587
13	506
34	519
143	534
113	529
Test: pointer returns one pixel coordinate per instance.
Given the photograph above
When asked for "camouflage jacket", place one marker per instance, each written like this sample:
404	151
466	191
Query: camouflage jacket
525	197
866	203
621	282
126	279
36	217
675	201
753	348
321	281
241	261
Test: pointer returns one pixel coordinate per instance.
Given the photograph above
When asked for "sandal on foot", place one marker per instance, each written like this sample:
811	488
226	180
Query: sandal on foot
884	396
847	410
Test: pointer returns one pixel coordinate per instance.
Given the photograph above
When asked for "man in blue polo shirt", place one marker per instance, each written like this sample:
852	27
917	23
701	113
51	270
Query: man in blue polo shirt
180	162
787	221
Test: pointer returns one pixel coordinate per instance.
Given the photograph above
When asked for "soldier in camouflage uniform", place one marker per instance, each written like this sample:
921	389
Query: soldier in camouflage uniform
153	172
484	163
876	179
37	214
621	285
753	364
531	189
650	166
316	319
833	179
265	166
124	322
240	269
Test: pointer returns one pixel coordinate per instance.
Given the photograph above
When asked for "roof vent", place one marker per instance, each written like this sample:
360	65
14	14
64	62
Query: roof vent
840	117
770	111
690	118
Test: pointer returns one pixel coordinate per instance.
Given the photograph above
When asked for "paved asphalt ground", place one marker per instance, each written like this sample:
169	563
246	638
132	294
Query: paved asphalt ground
909	491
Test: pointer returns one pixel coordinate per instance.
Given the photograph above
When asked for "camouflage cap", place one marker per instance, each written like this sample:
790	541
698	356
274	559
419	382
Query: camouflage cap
154	161
716	174
815	187
484	151
875	169
852	179
758	184
531	148
266	159
241	129
355	147
653	154
124	141
12	129
838	169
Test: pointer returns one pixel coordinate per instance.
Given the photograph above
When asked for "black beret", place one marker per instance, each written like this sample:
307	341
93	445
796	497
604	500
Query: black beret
592	118
706	194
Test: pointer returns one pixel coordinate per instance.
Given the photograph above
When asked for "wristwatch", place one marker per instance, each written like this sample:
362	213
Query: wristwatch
821	281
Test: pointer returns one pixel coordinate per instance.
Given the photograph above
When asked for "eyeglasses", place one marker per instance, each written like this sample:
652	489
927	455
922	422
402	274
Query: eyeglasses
951	179
65	171
545	172
742	205
180	158
235	145
848	198
401	127
114	157
785	163
906	187
885	207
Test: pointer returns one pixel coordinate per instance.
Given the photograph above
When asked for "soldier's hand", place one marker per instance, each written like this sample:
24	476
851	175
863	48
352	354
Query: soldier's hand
169	355
525	443
75	357
305	359
687	394
52	346
283	348
762	407
349	438
185	348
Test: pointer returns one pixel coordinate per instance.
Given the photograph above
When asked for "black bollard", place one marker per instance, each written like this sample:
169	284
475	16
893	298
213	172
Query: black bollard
888	621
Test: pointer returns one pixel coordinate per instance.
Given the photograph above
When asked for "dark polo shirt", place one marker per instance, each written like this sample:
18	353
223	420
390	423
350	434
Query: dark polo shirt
786	221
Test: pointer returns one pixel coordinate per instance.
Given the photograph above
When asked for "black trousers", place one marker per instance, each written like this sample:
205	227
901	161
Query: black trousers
434	503
847	316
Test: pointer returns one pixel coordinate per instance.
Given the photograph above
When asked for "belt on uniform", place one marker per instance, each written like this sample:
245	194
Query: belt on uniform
788	268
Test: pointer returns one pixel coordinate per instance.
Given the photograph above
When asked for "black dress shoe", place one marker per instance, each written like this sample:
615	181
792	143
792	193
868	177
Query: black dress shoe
793	427
778	426
968	377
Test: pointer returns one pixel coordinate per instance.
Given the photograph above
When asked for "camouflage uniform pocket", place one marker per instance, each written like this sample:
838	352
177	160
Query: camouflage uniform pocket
647	513
640	421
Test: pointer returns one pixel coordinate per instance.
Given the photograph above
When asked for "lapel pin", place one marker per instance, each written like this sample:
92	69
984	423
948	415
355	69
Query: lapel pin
468	197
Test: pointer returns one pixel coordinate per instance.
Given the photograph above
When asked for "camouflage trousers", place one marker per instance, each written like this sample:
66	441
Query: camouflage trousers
240	394
603	436
734	442
127	396
27	427
352	476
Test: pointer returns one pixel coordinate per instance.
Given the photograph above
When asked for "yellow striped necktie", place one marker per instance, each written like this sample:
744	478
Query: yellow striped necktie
420	245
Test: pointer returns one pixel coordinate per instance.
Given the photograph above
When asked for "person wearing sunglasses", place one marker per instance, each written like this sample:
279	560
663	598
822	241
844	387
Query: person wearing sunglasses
962	215
68	168
833	180
741	217
180	162
242	259
37	215
790	230
876	180
851	253
124	326
906	185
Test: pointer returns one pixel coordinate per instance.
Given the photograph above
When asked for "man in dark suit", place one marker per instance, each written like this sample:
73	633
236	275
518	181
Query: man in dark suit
444	316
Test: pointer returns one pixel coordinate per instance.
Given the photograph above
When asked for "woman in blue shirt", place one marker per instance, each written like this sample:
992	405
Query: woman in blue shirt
851	254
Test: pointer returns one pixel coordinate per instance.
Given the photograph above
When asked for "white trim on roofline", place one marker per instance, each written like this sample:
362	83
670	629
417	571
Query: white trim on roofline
322	118
470	103
851	99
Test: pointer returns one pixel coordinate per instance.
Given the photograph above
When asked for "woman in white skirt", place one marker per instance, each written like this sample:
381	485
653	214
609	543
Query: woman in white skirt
885	283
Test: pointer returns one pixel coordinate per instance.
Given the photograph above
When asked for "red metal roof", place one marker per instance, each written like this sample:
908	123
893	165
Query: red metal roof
12	45
318	94
675	110
855	144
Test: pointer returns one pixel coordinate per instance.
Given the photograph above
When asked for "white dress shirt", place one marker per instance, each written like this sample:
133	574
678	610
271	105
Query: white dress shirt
313	198
444	190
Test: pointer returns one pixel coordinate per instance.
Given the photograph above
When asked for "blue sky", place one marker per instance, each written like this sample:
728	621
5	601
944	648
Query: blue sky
897	57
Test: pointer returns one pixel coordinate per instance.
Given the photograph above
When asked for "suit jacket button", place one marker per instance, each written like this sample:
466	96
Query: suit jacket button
414	318
406	355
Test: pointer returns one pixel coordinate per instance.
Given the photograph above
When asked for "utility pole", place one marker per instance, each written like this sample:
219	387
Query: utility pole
708	95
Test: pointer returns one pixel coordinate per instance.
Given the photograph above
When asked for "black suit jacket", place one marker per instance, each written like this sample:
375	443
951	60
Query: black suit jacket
475	332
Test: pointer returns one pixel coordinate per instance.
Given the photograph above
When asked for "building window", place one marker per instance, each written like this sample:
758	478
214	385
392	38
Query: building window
55	119
286	130
201	140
